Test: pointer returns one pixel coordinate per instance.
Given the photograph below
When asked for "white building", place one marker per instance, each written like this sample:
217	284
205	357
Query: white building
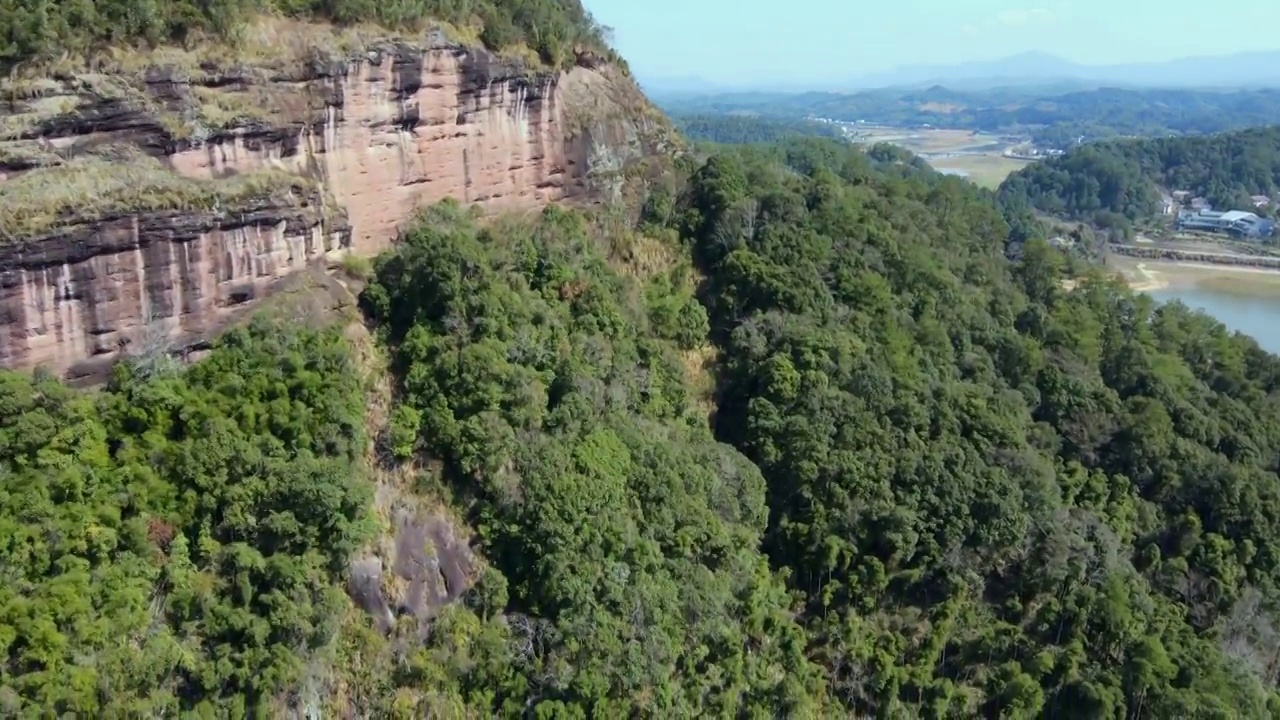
1234	222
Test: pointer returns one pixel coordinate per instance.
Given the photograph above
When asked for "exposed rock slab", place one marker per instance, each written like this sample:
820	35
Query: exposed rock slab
428	565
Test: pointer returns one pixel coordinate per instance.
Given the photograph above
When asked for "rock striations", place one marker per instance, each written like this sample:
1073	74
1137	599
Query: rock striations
180	248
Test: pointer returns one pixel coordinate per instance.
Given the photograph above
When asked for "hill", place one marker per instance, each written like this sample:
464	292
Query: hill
737	129
1127	177
774	430
800	442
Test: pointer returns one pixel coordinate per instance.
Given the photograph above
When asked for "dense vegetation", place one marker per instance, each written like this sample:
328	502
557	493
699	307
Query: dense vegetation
1051	119
48	29
626	536
985	495
992	495
1127	177
934	484
745	129
177	542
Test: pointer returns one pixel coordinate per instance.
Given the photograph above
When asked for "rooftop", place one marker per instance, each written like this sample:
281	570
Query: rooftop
1237	215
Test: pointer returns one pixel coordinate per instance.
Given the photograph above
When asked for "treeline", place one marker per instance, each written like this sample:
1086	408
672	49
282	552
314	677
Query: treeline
42	30
1050	118
802	443
745	129
1064	120
1127	178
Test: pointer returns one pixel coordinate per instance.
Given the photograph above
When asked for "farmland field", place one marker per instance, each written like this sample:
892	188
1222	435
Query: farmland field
975	155
985	169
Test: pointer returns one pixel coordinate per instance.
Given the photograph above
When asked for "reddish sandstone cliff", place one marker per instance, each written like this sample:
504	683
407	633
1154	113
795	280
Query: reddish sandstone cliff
377	135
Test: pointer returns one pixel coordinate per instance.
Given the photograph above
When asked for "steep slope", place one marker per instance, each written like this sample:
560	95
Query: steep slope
936	484
992	497
163	192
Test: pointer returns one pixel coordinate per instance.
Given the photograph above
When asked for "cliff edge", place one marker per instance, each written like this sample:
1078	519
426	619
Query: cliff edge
160	194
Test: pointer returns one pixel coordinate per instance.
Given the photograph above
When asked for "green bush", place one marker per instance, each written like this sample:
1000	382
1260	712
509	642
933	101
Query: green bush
402	432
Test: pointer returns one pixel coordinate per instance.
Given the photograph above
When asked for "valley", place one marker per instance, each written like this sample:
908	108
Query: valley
984	158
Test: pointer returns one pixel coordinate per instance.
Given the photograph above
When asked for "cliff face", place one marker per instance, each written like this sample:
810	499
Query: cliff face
379	135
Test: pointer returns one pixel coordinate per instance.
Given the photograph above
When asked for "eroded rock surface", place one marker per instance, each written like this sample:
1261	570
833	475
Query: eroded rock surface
75	300
428	565
381	134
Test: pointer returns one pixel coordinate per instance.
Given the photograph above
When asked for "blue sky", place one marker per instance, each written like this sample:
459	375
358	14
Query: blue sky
768	41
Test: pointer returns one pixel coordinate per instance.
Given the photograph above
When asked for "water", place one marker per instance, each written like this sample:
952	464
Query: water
1256	315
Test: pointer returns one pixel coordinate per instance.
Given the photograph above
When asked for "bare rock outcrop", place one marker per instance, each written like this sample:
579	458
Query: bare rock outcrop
422	564
379	134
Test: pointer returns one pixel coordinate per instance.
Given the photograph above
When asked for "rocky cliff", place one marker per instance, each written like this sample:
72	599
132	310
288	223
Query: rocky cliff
150	206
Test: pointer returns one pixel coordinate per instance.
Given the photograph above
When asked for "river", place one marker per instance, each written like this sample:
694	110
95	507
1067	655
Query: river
1253	314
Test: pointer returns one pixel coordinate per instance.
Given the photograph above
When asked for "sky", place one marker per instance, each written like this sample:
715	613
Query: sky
758	42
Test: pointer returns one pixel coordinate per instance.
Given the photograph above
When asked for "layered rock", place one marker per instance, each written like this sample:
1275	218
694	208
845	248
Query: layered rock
75	300
380	134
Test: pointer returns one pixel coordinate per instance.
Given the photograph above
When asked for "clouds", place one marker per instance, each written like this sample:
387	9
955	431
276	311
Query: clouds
1017	17
1012	18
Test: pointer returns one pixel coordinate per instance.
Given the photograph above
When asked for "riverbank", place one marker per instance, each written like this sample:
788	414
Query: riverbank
1148	275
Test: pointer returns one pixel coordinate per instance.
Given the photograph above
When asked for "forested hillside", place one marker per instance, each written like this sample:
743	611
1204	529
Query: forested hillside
744	129
801	443
1126	177
50	29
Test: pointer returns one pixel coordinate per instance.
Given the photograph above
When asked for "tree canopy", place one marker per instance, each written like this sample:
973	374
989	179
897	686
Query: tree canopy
742	129
177	541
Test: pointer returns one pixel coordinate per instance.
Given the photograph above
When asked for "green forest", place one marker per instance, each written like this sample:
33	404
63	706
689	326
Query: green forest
1050	117
178	540
1127	177
45	30
747	129
798	442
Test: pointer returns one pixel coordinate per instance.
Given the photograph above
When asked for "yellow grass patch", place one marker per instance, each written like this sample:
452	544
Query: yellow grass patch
127	182
985	169
277	103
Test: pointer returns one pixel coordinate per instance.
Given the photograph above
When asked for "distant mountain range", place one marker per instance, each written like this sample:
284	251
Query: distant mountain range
1239	70
1249	69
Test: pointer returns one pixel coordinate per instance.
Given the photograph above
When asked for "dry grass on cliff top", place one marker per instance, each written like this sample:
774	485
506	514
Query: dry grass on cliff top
265	43
222	107
98	187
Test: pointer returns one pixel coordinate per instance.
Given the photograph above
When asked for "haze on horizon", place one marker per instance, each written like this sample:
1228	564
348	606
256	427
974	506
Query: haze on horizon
753	43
